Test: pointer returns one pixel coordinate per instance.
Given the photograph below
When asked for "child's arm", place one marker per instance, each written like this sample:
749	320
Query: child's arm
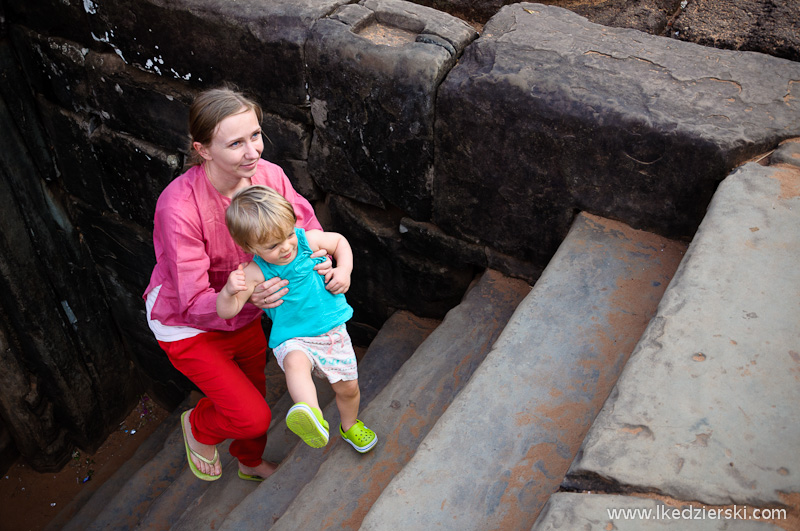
235	293
338	247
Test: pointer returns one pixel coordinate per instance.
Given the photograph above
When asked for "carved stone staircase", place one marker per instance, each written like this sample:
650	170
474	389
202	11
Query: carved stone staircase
479	416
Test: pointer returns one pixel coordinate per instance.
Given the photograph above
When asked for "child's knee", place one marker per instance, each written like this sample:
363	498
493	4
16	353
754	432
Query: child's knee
347	389
296	361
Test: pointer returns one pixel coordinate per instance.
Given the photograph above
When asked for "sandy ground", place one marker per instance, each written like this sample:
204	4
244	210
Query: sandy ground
29	499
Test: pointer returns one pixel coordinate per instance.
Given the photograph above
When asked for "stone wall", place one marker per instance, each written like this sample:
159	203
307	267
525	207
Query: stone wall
437	152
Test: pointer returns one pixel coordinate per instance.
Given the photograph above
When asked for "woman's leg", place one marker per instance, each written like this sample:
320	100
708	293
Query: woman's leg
228	367
348	398
208	451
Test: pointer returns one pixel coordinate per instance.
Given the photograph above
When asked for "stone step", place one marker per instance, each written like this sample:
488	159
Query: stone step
598	512
505	443
347	483
397	340
132	498
82	510
186	492
155	488
705	414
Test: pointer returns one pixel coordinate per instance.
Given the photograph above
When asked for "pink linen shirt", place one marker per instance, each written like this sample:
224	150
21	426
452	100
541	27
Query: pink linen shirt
195	252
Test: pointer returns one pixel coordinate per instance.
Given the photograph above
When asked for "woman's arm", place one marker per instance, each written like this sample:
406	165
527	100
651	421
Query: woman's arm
181	240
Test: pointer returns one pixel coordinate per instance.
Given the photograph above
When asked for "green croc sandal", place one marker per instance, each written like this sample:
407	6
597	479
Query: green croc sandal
359	437
308	424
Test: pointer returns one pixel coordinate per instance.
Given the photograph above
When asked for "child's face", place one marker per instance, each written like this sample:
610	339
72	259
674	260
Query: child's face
280	251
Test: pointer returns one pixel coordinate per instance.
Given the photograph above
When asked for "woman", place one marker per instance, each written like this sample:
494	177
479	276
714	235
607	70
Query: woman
225	358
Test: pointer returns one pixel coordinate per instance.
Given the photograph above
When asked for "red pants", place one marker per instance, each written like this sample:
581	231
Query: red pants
228	367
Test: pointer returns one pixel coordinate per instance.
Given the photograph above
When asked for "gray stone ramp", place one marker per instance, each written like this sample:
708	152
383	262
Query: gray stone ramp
567	511
706	409
504	445
396	341
347	483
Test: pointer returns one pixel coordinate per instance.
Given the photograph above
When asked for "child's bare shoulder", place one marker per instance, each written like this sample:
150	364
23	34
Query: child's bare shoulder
253	274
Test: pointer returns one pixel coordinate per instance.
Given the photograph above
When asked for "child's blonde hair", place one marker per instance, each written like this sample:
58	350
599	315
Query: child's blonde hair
258	215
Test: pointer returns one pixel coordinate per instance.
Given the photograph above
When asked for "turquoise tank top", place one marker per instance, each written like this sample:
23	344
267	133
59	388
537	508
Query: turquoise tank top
308	309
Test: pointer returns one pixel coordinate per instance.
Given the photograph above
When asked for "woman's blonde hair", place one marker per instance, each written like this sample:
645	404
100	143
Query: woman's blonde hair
258	215
208	109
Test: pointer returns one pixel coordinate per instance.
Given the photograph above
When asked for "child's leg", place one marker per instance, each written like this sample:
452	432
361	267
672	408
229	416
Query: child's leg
297	368
352	430
304	417
348	398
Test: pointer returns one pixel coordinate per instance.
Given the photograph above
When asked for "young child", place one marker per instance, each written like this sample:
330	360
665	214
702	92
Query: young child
308	328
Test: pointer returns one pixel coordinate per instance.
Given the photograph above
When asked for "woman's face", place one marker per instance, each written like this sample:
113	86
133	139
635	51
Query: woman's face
235	148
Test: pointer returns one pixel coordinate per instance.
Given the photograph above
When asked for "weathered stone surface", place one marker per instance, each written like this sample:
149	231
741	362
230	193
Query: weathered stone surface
64	18
61	387
117	173
649	16
374	69
385	273
285	139
104	90
396	342
515	427
55	68
17	99
123	253
261	43
427	239
133	174
123	72
611	121
593	512
645	15
8	449
297	172
723	348
787	153
763	26
78	167
405	410
286	143
141	104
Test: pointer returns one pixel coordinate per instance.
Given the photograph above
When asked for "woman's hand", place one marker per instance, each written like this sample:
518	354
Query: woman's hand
269	294
323	268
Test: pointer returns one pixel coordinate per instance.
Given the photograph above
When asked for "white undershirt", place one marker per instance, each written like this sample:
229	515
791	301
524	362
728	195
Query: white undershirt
164	332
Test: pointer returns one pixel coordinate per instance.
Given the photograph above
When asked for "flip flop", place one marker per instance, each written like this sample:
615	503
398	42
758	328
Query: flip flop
190	453
307	423
248	477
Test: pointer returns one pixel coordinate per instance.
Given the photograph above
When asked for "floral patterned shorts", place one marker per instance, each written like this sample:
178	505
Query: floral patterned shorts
331	354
